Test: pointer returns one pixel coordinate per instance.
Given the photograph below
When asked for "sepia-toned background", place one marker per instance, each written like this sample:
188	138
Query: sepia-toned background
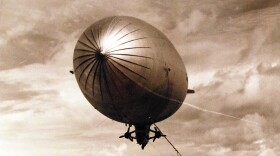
231	50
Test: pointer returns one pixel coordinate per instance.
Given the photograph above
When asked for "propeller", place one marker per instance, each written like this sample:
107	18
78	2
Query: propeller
127	135
158	134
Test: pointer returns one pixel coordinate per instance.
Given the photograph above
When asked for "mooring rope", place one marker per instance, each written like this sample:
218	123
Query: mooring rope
178	153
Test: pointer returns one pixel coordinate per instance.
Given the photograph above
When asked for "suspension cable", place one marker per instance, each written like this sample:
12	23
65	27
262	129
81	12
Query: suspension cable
178	153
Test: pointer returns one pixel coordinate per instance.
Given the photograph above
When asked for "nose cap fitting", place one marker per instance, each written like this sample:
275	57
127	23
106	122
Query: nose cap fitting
101	55
103	52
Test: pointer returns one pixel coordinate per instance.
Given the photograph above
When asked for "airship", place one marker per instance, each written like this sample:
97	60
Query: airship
130	72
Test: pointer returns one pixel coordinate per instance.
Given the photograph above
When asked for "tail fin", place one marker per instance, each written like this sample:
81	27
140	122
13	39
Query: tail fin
190	91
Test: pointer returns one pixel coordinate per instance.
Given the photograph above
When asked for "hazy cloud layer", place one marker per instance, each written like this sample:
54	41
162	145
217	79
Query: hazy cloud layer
230	49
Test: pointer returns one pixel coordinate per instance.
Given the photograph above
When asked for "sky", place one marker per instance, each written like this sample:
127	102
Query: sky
230	50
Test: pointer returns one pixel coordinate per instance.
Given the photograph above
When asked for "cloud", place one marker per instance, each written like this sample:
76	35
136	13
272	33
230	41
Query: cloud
241	92
247	38
117	151
12	92
272	69
196	21
230	48
219	151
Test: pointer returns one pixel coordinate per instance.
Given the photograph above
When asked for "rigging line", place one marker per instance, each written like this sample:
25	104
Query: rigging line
100	123
178	153
193	106
196	107
202	109
218	113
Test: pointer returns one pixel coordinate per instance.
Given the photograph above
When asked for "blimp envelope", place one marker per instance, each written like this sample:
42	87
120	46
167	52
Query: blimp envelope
128	70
